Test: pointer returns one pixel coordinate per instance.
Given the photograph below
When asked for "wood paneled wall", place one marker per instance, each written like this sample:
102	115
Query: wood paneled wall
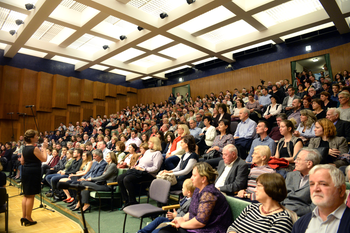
246	77
56	98
64	99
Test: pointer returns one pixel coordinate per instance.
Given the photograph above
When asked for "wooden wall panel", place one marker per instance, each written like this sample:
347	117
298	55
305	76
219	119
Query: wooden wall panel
58	116
111	90
131	89
121	90
44	92
110	105
86	93
99	108
73	114
6	130
59	91
28	89
44	121
121	102
86	110
99	90
131	99
9	94
74	91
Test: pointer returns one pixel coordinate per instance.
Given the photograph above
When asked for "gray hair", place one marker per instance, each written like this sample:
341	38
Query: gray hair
98	152
335	111
346	172
230	148
337	176
246	110
155	127
312	155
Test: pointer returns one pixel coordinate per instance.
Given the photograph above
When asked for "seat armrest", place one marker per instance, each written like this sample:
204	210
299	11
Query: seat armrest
112	183
170	207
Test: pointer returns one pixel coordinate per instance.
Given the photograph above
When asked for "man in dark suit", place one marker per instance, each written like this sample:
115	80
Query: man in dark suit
298	198
232	172
97	167
343	127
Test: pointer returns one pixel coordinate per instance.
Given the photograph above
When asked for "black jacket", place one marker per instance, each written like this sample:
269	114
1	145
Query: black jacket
343	129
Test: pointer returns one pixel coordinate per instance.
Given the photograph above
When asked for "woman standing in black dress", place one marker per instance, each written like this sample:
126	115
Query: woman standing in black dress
31	177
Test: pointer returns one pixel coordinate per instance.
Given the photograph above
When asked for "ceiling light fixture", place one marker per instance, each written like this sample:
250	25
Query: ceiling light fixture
308	48
105	47
19	22
139	28
163	15
190	1
29	6
122	37
315	59
12	32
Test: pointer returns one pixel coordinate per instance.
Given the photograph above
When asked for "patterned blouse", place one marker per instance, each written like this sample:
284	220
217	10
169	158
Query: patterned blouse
210	208
221	142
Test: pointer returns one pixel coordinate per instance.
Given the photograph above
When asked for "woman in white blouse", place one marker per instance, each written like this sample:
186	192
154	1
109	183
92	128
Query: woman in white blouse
272	110
209	134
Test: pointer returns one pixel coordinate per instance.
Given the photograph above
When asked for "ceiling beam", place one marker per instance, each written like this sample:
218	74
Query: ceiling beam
37	16
332	9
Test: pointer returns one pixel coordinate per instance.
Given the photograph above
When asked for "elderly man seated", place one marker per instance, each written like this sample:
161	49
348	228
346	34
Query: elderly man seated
327	190
232	171
297	182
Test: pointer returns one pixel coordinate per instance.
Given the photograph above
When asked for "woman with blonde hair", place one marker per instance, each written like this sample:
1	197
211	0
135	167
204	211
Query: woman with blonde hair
173	157
306	127
145	170
84	168
325	133
344	108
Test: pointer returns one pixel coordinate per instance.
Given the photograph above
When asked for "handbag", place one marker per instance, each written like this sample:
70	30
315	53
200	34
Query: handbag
212	154
167	176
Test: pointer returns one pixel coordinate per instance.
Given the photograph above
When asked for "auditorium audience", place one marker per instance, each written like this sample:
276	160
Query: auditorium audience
306	127
207	136
344	107
342	127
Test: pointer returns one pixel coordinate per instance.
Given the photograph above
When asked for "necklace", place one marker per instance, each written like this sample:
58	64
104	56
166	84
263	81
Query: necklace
268	212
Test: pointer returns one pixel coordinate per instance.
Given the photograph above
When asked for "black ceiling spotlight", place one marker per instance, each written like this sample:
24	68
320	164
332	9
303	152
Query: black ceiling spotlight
12	32
19	22
105	47
122	37
163	15
139	28
190	1
29	6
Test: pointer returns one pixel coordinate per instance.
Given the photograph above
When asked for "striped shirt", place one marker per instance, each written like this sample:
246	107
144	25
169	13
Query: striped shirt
254	173
251	220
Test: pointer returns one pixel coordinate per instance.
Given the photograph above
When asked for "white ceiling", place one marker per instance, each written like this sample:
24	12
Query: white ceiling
75	31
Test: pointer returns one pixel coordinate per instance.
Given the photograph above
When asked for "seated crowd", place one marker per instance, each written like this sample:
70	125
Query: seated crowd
285	152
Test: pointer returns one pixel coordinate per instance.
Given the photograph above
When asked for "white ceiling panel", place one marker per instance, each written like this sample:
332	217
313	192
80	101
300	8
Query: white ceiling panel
128	54
207	19
248	5
155	42
149	61
32	52
287	11
326	25
233	30
178	51
65	59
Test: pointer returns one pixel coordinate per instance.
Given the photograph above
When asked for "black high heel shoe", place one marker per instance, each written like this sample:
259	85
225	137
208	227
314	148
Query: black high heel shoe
87	209
23	220
29	223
